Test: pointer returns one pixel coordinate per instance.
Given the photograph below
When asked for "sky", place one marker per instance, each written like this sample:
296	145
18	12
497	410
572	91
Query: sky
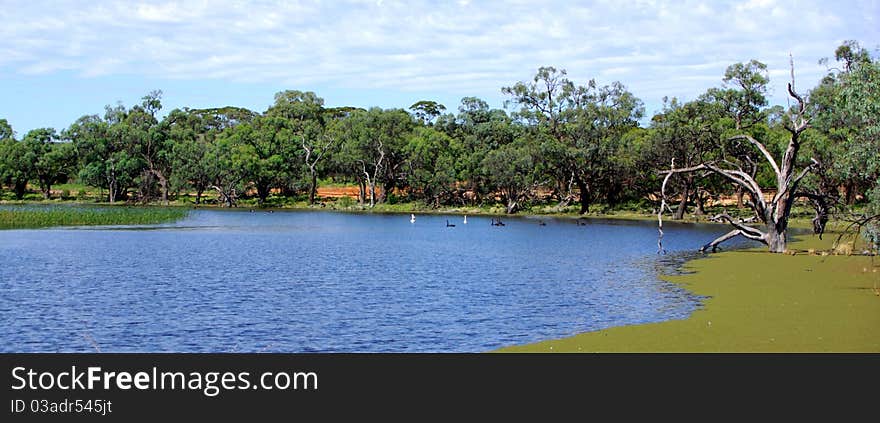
63	59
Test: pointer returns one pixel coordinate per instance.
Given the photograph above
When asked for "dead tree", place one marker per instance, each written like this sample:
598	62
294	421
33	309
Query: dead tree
773	213
313	155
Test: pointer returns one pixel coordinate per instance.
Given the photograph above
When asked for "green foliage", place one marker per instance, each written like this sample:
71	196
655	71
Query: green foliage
563	142
426	111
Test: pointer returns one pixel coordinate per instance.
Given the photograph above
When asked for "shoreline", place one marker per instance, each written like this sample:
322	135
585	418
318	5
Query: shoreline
755	301
405	208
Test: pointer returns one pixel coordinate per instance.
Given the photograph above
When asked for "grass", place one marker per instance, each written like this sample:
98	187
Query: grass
758	302
16	217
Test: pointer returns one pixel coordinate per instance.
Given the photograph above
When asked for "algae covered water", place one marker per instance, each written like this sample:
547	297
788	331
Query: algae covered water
240	281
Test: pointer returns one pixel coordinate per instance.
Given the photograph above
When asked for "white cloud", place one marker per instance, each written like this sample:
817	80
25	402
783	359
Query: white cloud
655	47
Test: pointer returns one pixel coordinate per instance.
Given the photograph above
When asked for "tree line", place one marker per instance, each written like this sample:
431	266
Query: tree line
557	141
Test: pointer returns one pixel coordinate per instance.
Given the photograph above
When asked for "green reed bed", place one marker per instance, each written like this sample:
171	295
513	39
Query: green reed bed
42	217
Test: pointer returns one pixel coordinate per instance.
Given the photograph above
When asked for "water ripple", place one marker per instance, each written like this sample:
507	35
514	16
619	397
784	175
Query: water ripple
302	281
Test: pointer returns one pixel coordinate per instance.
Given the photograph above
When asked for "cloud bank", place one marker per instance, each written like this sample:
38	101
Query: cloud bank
656	48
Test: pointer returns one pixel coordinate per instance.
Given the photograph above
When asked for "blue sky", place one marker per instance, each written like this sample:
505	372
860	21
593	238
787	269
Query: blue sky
62	59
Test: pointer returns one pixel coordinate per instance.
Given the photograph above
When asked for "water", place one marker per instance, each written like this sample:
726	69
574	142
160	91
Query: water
234	281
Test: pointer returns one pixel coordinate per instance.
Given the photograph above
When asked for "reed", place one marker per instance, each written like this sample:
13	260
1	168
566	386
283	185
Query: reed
42	217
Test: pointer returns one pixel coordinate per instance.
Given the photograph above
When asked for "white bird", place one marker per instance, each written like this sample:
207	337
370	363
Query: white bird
465	219
412	218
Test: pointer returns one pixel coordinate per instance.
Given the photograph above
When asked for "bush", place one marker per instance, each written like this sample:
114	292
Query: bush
345	201
65	194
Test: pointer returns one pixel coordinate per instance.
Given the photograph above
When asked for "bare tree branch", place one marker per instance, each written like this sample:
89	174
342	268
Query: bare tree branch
747	230
719	240
761	148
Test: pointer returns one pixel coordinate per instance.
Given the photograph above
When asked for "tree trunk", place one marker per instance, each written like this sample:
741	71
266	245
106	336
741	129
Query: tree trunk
682	205
776	239
699	200
739	197
512	206
613	196
849	191
199	196
584	195
111	192
362	192
46	189
163	184
262	193
19	188
372	186
387	187
313	188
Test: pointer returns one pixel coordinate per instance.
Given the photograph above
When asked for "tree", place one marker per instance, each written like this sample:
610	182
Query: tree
374	142
775	213
306	116
595	121
106	159
688	134
6	131
229	163
851	117
54	160
149	140
426	111
260	150
16	161
742	99
512	170
583	123
192	134
431	157
479	130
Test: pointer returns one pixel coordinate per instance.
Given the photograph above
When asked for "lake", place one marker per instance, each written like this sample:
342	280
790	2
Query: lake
239	281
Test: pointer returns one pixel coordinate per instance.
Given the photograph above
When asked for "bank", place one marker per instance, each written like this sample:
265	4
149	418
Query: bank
758	302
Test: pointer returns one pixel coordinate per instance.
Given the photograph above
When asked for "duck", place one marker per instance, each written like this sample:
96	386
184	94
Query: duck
542	223
412	218
449	225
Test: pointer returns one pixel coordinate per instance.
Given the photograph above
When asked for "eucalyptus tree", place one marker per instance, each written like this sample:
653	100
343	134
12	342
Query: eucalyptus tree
743	99
478	130
849	115
106	157
513	169
426	111
54	160
687	135
229	162
374	143
596	120
16	161
7	136
431	160
6	131
192	133
583	123
306	128
148	140
261	149
774	214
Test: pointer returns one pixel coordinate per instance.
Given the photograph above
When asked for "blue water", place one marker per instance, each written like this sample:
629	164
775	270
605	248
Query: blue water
234	281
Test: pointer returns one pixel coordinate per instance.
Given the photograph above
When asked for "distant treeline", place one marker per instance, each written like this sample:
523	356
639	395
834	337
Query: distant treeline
563	142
